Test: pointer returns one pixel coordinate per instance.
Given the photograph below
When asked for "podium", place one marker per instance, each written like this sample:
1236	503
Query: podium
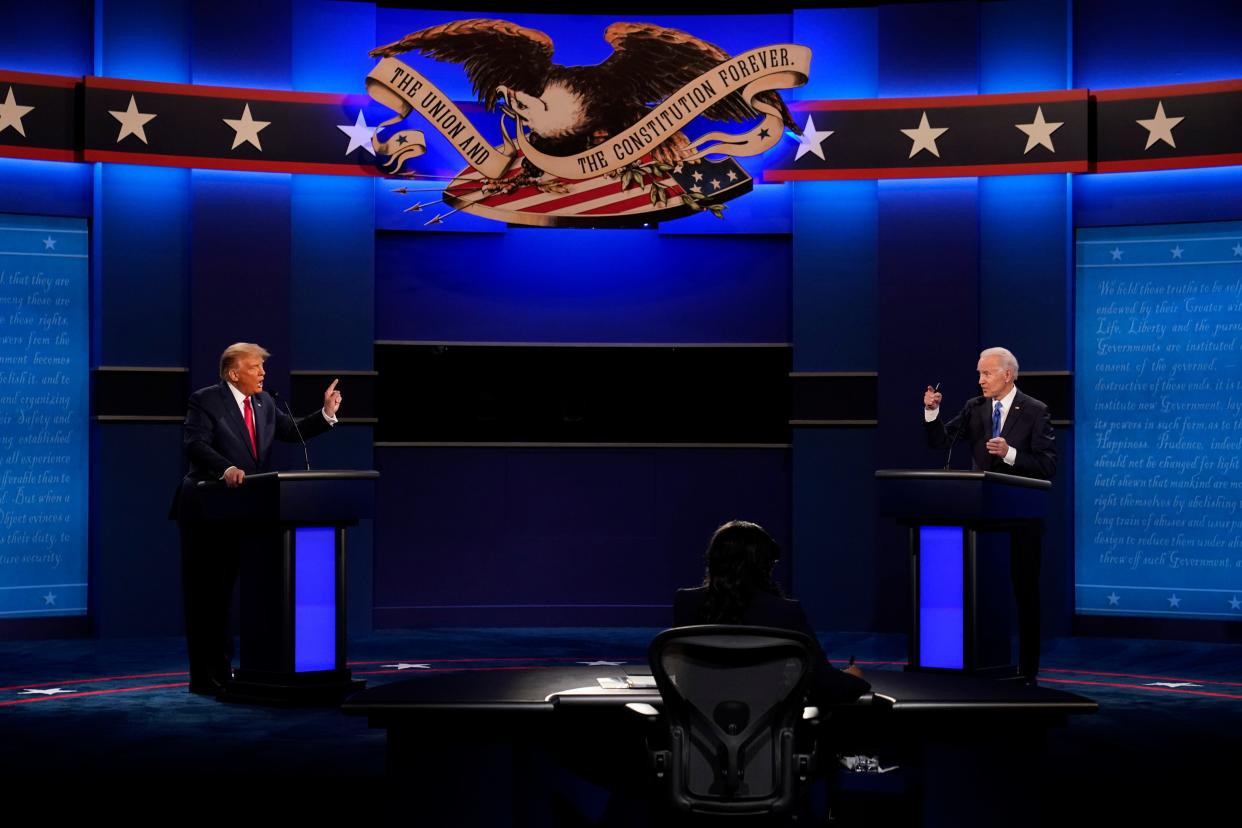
946	511
293	598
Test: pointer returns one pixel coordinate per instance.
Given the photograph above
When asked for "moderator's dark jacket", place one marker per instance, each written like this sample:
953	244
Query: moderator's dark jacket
828	684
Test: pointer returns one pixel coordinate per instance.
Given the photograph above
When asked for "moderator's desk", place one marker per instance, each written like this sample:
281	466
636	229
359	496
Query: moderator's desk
488	745
524	691
509	698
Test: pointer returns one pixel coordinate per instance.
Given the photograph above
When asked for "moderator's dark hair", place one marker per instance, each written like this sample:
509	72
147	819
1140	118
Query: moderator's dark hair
740	559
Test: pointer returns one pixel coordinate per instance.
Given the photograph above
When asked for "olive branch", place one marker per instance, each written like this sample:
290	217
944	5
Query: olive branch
652	175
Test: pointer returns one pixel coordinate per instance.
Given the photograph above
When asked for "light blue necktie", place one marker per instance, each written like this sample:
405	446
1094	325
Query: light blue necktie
996	412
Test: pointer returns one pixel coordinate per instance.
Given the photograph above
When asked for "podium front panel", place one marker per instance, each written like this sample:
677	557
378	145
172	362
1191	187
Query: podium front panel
314	598
940	595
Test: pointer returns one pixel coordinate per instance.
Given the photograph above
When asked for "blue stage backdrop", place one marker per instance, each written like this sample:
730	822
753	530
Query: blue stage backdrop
1159	403
43	415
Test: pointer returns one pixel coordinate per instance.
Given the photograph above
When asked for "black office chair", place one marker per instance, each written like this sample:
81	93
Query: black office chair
733	709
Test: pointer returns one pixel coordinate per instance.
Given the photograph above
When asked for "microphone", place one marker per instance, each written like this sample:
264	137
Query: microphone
298	431
962	419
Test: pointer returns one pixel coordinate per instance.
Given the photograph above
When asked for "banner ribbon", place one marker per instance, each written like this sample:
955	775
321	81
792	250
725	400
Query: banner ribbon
404	90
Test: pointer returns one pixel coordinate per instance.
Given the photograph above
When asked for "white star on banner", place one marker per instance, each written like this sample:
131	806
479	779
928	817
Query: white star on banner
132	121
1174	601
1039	132
11	114
359	134
698	176
1173	684
36	691
811	140
1113	599
403	666
602	663
49	243
1159	128
732	175
924	137
246	129
1177	251
1237	249
1116	251
49	600
1234	603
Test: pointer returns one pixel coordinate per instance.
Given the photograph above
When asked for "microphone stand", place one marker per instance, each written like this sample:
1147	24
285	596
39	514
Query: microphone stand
298	431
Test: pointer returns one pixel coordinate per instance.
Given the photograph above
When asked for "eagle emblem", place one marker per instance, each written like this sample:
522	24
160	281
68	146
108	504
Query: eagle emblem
601	145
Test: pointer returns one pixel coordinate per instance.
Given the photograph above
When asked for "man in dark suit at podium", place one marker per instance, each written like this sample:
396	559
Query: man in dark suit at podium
1011	433
229	429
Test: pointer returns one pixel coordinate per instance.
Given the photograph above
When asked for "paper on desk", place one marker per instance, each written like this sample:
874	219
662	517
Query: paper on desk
628	683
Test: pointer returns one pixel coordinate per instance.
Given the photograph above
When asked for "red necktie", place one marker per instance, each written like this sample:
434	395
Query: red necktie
254	448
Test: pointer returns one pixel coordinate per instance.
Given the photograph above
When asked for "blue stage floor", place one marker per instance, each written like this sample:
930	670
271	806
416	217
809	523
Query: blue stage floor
1168	733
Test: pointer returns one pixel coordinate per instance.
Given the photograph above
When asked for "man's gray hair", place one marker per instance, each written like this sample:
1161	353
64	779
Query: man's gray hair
1007	359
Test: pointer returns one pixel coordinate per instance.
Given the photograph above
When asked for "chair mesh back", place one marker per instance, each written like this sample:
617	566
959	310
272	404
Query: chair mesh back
739	690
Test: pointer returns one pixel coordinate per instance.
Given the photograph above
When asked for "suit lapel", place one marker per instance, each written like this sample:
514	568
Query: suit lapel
1012	417
235	419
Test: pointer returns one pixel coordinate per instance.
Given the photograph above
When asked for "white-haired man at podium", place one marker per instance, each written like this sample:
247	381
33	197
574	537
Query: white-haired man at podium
1011	433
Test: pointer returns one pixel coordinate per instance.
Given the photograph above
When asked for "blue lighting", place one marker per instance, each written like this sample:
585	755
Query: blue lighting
1024	261
929	49
233	44
940	597
142	232
50	188
314	626
55	37
330	44
241	177
582	286
844	53
899	184
1024	45
1125	43
143	40
333	227
1159	197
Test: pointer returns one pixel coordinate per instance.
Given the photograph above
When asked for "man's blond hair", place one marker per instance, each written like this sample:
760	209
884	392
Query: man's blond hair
236	351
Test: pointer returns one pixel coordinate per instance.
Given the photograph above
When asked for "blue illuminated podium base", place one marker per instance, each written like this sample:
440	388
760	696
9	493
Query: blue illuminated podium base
293	589
958	621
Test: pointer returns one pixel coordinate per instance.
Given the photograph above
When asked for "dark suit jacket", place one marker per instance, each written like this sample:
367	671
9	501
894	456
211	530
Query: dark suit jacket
1028	428
828	684
215	437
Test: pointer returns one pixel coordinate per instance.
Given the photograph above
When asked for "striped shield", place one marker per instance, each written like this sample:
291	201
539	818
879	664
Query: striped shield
642	194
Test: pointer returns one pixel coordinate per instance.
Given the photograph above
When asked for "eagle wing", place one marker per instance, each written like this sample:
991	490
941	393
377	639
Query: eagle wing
652	62
493	53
